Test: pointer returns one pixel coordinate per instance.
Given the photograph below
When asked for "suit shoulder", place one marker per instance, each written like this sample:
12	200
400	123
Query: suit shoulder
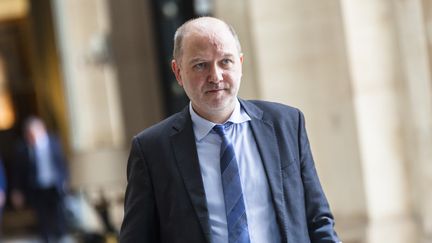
277	110
160	129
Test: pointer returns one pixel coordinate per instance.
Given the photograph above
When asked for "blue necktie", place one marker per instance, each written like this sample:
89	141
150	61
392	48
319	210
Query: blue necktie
233	196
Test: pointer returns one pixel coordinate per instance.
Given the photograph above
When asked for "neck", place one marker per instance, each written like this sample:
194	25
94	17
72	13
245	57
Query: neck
218	117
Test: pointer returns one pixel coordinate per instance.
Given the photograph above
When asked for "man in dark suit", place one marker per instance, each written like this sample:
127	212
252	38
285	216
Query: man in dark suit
41	178
223	169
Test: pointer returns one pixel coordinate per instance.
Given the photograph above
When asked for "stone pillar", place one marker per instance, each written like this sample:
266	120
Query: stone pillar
96	125
375	67
136	60
414	19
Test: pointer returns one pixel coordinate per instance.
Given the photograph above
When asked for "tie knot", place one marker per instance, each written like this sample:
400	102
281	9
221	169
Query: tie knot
220	130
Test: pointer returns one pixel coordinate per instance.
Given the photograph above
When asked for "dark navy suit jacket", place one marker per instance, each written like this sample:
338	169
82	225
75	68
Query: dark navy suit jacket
25	173
2	184
165	198
2	177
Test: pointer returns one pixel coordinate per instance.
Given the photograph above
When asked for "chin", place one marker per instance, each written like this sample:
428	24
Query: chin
220	105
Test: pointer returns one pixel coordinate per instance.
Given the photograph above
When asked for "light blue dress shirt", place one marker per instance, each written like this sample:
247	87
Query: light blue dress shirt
45	172
259	207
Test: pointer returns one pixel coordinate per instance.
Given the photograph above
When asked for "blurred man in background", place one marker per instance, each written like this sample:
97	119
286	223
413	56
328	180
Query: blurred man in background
42	178
2	188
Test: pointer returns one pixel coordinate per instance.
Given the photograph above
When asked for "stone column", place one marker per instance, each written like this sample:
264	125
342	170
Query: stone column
136	60
414	19
375	66
96	125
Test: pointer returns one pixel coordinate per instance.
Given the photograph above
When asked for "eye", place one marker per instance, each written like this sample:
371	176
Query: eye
226	62
199	66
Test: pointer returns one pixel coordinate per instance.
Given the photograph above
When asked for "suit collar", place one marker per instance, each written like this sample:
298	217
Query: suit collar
251	109
181	120
266	140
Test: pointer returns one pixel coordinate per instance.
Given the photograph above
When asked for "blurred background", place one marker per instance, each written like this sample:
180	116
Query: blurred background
98	71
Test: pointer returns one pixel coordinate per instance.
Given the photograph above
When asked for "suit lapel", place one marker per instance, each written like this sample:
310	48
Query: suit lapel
265	138
183	142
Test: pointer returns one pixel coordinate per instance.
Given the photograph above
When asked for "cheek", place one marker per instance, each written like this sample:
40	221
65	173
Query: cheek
190	76
196	79
233	77
192	85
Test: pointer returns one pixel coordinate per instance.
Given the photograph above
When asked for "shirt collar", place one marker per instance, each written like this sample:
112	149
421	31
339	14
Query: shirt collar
42	141
202	126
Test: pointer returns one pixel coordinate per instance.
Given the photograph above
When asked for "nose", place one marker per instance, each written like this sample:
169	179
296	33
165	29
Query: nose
215	74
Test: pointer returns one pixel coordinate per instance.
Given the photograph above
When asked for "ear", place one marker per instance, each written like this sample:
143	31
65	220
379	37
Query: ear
241	58
176	70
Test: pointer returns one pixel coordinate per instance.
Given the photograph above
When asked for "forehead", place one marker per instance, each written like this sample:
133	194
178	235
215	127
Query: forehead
215	37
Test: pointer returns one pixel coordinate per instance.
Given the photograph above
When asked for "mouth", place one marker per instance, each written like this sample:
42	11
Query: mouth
214	91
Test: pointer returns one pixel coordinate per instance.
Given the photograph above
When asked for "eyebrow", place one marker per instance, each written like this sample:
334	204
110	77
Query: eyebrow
196	60
228	55
200	59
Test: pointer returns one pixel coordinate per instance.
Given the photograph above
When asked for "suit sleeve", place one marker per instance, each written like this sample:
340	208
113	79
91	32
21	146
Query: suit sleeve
140	223
60	163
319	217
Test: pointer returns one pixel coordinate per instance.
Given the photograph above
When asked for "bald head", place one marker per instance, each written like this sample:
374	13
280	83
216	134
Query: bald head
201	25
